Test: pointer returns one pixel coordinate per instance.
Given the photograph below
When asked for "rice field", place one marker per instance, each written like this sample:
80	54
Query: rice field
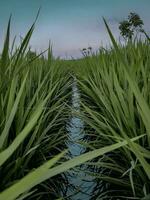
35	107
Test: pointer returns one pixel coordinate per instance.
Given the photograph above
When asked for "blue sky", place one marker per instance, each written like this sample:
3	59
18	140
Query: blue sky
70	24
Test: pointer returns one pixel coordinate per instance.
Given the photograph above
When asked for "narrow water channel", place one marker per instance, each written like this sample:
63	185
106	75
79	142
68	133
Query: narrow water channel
82	183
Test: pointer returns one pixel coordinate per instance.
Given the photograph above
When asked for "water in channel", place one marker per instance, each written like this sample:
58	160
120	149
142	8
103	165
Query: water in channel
82	184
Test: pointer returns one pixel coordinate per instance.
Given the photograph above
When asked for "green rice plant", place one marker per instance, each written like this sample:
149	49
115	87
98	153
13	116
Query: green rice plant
43	172
33	113
114	86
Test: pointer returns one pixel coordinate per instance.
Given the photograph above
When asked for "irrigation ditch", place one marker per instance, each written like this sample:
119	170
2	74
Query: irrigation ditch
81	185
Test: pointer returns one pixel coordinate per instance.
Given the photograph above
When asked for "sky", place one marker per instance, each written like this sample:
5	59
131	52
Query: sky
70	25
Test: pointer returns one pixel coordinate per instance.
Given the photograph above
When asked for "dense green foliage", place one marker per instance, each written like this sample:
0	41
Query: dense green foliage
33	96
114	86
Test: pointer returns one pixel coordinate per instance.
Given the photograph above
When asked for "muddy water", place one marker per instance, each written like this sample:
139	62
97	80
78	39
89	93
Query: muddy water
82	184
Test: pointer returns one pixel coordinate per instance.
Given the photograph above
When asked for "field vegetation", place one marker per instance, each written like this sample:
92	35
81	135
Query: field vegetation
35	95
